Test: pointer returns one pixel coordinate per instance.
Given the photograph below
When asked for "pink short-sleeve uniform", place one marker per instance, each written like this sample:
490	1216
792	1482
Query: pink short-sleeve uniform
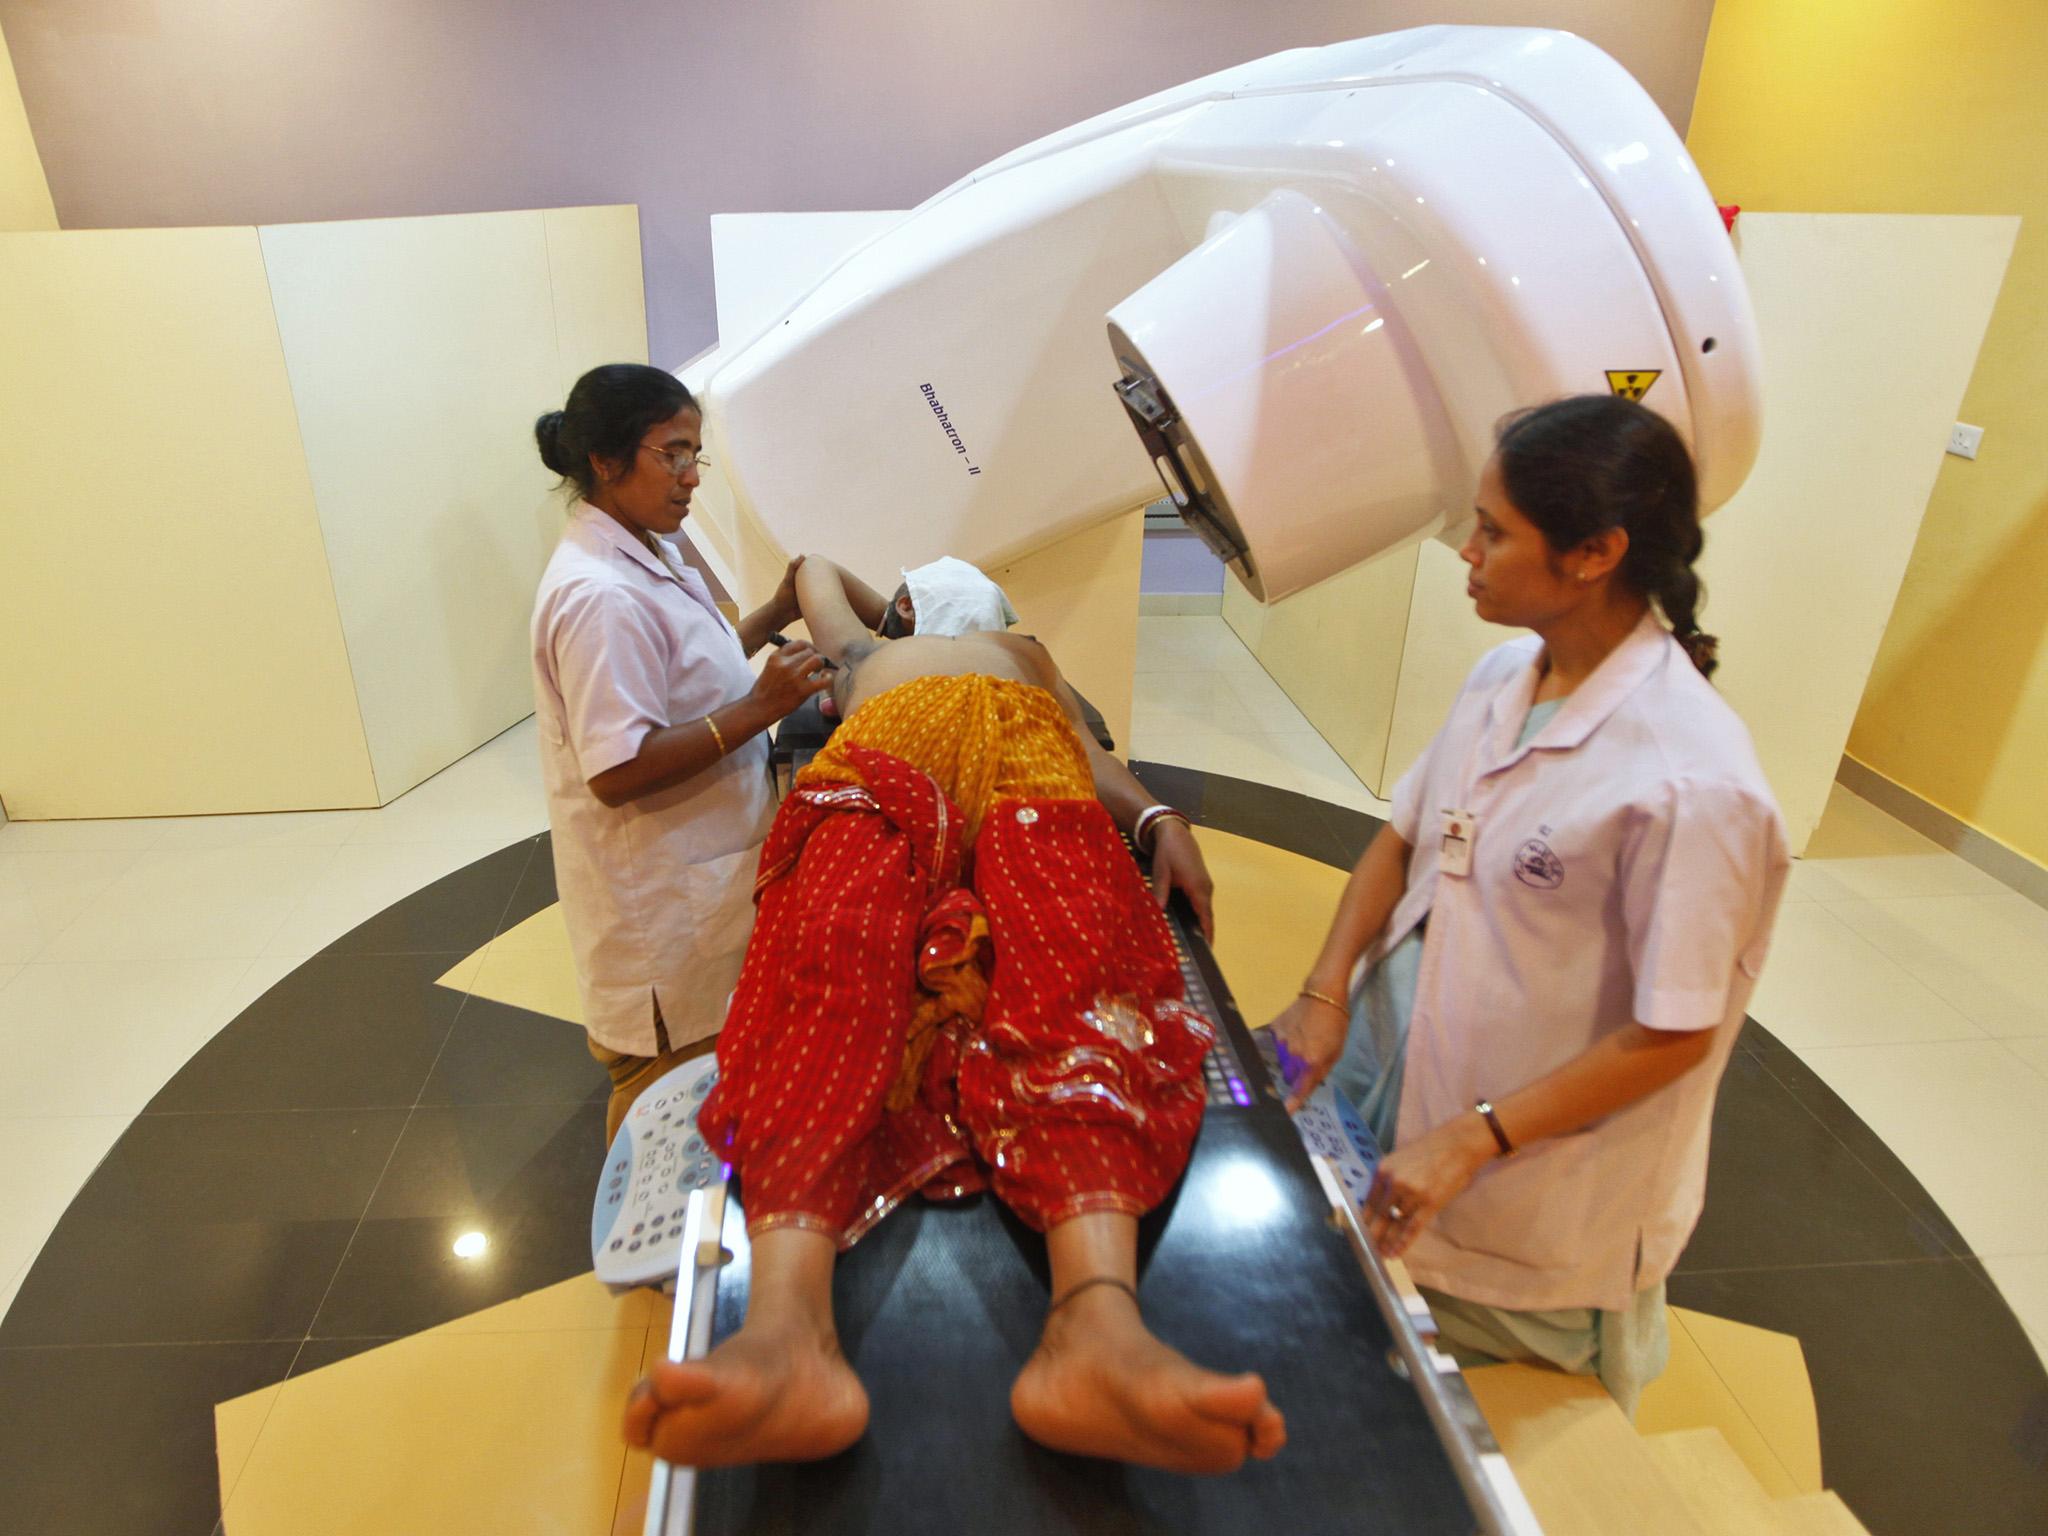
657	894
1625	865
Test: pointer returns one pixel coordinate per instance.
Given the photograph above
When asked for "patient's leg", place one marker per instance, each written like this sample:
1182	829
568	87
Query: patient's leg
1101	1383
812	1042
777	1390
1084	1094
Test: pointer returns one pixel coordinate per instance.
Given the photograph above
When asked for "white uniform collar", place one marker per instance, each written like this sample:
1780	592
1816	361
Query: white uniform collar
601	527
1647	647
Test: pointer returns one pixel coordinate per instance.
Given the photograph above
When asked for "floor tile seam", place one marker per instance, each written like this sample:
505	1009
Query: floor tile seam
2007	1040
1934	988
468	994
1984	1257
333	852
626	1462
331	951
1850	898
227	1494
1826	1264
1858	1159
289	1109
1763	1439
1885	956
428	842
1945	994
349	1247
596	1095
1878	1045
1984	1277
332	946
1802	1050
108	1344
453	1329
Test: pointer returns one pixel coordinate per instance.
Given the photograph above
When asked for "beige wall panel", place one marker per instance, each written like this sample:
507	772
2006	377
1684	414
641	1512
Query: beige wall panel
166	615
24	192
1080	596
420	352
1956	710
600	302
1802	567
1336	649
600	306
1245	614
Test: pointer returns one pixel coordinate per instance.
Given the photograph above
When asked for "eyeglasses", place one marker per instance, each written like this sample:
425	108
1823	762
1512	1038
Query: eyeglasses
679	464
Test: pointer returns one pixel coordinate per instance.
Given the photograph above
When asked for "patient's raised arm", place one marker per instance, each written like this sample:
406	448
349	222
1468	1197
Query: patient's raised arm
836	629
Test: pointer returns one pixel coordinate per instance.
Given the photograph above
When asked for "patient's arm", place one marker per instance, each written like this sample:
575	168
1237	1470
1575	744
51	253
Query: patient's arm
837	628
869	606
1176	860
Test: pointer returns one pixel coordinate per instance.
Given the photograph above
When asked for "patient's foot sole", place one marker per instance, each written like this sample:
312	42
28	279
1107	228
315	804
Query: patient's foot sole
762	1395
1100	1384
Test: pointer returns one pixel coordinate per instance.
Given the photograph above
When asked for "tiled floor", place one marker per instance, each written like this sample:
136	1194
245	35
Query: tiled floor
125	946
1907	981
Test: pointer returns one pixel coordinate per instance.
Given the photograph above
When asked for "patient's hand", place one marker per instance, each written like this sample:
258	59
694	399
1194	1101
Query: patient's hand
787	610
1177	866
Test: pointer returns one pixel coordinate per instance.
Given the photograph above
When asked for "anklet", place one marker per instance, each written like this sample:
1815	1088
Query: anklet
1074	1290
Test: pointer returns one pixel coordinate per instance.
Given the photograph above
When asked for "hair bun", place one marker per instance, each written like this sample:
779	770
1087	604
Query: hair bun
547	434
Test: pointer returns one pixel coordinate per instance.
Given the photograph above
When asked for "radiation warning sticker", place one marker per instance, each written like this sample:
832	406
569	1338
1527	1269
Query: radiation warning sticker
1632	383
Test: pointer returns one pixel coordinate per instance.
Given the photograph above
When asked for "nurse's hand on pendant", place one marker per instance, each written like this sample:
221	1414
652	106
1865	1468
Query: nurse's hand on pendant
1312	1032
1177	866
792	674
1420	1178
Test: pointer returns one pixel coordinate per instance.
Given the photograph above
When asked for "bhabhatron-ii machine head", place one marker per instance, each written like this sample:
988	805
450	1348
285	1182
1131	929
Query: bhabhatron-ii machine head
1314	283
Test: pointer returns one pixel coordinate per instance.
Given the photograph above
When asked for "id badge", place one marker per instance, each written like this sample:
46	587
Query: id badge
1454	853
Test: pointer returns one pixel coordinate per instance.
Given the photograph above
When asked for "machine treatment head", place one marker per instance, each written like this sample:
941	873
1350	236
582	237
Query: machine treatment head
1325	276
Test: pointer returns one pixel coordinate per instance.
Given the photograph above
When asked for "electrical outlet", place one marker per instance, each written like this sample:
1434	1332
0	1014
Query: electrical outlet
1963	440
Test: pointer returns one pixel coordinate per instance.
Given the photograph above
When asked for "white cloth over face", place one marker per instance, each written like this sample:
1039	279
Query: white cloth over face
657	894
953	598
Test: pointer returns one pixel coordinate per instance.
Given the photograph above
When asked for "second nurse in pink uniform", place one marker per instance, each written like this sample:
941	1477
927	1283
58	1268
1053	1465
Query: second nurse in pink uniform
1561	922
651	730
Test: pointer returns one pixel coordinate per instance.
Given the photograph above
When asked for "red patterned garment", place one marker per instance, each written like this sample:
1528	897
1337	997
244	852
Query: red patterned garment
917	1015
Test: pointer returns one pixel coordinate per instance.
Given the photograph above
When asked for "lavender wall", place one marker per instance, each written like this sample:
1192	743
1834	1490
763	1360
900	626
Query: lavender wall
1178	562
153	112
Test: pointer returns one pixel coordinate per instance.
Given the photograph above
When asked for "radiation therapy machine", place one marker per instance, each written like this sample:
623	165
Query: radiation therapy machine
1299	294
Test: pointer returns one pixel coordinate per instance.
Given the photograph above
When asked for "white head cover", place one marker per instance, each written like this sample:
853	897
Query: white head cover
953	598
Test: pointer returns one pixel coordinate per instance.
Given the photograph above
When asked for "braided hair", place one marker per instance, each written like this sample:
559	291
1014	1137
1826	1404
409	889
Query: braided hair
1582	465
608	412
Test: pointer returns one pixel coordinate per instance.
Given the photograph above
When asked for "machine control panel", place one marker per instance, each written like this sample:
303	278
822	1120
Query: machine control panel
657	1158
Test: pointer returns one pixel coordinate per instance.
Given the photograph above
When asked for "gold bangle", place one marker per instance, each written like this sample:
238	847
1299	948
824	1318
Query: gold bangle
1323	997
716	734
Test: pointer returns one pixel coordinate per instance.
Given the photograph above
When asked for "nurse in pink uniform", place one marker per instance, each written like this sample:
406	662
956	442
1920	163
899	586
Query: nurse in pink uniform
651	730
1562	921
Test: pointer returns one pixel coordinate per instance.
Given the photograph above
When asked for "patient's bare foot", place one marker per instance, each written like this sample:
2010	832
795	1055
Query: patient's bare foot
769	1393
1101	1385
